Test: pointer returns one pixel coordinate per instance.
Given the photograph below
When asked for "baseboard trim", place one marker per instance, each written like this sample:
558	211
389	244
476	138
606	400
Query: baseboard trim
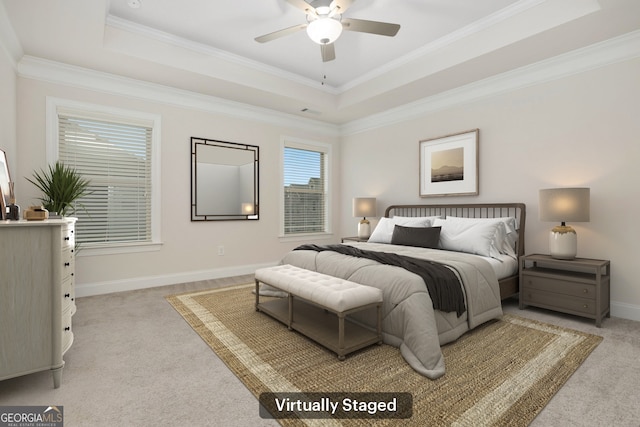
101	288
625	311
618	309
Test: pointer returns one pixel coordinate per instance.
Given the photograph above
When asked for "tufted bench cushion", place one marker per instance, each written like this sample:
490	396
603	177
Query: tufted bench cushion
336	295
330	292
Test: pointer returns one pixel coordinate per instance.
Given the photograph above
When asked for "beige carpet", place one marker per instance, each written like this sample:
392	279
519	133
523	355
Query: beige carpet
501	374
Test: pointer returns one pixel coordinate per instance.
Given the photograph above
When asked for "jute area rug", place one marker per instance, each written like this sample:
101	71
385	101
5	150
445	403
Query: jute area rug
501	374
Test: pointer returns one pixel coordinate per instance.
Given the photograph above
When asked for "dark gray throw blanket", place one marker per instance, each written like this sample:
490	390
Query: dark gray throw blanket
443	284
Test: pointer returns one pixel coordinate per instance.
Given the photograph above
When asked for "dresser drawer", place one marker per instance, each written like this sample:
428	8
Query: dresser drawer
67	332
559	302
68	264
68	237
68	294
558	286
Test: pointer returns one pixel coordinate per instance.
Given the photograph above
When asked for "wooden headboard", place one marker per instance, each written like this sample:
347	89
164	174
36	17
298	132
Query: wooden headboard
508	286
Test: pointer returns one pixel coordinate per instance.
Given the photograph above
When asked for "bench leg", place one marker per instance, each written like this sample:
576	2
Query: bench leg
257	294
341	336
379	328
290	322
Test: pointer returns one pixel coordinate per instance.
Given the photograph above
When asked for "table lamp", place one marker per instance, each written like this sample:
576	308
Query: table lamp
564	205
364	207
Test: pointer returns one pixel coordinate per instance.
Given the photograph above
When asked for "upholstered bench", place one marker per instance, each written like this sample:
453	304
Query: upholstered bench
316	295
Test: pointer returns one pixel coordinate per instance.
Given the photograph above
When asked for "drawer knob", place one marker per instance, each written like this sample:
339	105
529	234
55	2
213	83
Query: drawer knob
585	306
586	291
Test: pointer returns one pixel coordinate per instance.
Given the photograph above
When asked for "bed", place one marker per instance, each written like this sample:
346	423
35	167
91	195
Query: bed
478	243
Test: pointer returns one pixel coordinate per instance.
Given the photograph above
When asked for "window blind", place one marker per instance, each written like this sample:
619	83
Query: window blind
304	191
116	159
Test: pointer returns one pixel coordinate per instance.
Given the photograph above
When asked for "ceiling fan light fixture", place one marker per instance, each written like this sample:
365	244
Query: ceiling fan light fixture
324	30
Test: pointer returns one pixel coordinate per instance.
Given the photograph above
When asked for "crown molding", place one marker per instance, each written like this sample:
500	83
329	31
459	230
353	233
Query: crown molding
617	49
69	75
218	54
430	48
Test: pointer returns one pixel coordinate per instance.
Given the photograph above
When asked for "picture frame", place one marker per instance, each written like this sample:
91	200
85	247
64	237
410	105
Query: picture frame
5	178
449	165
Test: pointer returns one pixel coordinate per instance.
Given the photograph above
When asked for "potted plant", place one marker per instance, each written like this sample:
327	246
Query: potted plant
61	187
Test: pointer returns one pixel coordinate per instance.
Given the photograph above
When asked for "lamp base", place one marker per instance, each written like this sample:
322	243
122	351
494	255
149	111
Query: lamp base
563	242
364	229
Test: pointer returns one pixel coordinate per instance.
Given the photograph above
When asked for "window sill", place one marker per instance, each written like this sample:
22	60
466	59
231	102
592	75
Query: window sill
120	248
305	236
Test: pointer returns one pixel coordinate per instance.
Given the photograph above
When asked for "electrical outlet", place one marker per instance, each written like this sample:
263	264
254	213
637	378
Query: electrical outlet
221	250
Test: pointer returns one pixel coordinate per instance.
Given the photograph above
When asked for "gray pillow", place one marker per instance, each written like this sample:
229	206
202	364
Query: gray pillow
424	237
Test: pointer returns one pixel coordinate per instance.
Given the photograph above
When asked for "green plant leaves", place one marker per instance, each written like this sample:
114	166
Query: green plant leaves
61	187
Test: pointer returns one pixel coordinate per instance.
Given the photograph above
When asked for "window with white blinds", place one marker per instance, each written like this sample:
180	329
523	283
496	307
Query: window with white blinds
116	158
305	188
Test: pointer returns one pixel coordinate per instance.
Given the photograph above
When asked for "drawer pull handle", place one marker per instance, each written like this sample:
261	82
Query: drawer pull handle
586	306
67	238
66	264
68	328
67	295
586	291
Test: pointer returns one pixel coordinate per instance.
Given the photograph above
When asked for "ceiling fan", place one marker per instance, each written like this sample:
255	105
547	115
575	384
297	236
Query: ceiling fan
325	24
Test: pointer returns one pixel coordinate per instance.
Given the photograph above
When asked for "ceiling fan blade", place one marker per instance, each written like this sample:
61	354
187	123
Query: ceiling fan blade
280	33
328	52
373	27
343	5
302	5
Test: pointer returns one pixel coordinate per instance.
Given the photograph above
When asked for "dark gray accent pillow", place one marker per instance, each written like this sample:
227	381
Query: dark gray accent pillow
424	237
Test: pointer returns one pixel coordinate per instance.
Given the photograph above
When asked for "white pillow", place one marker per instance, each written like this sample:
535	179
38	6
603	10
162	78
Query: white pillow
475	237
384	230
505	241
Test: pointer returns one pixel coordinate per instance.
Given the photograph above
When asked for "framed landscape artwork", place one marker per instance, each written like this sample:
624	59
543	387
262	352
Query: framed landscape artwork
449	165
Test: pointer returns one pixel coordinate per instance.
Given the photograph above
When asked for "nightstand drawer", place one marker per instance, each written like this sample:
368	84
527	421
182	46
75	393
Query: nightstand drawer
559	302
583	290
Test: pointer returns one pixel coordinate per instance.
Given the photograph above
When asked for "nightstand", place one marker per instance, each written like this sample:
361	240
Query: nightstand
355	239
580	286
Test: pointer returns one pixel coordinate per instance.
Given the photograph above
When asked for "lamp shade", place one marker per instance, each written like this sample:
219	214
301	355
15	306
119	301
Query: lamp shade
364	207
324	30
564	204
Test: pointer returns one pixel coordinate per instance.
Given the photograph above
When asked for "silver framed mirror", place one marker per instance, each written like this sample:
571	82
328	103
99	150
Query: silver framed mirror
224	180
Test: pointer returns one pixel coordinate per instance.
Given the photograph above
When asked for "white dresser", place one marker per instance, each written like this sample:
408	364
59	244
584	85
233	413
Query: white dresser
37	298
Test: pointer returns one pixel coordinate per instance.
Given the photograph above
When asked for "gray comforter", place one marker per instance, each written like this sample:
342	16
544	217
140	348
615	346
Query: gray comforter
409	320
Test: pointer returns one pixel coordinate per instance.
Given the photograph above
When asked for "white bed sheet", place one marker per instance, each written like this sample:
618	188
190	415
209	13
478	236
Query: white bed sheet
505	267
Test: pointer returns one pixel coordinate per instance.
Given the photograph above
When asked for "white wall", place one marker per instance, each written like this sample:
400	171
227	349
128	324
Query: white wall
8	87
577	130
190	249
582	130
